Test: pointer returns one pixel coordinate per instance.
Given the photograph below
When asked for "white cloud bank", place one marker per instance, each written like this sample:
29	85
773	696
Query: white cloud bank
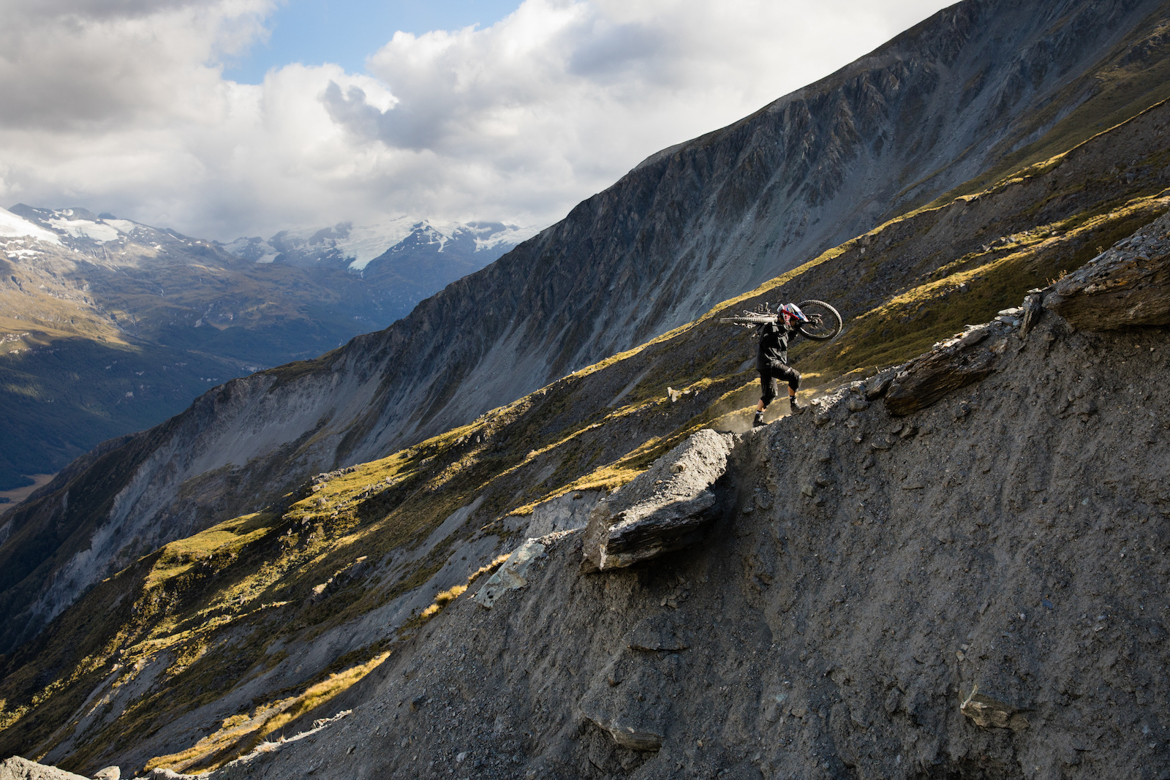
120	105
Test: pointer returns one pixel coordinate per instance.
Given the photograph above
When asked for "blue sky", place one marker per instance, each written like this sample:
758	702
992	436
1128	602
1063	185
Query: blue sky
346	32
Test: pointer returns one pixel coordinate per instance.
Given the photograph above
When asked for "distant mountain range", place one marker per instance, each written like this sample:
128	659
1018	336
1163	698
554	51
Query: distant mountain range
109	326
354	247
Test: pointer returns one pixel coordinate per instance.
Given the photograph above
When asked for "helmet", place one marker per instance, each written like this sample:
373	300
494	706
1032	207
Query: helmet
791	313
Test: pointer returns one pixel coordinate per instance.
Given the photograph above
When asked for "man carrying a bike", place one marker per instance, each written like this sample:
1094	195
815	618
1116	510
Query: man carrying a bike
772	360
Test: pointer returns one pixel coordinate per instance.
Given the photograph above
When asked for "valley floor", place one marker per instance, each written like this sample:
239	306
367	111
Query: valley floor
11	498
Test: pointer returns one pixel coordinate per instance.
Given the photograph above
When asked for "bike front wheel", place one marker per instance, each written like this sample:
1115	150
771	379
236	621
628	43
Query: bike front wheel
824	321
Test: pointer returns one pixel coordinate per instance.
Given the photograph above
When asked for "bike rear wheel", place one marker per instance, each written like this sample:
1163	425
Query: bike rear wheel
824	321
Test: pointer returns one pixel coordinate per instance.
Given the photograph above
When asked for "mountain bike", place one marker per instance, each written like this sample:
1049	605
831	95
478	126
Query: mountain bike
815	320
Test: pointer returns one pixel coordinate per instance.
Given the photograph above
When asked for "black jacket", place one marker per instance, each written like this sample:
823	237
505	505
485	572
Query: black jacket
773	345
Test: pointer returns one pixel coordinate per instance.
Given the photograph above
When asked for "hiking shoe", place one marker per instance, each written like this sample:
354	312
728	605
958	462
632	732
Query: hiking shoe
758	420
793	404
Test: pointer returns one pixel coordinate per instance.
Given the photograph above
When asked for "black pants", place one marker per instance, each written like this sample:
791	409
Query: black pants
768	377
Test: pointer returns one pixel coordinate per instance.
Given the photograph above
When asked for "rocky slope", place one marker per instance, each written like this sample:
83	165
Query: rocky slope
972	589
866	576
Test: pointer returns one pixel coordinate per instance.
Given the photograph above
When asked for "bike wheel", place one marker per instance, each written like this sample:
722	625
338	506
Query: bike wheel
824	321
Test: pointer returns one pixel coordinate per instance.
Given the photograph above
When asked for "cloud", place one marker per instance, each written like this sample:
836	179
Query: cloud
104	64
120	105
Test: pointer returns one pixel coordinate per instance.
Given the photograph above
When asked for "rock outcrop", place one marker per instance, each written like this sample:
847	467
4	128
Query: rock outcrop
17	768
1127	286
665	508
511	574
963	360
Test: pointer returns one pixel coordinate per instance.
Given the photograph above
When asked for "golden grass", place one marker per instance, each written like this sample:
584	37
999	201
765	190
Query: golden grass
243	733
447	596
496	563
226	538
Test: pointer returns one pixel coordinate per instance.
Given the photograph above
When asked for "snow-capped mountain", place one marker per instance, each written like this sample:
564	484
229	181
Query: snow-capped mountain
119	325
344	245
103	239
355	246
15	226
402	260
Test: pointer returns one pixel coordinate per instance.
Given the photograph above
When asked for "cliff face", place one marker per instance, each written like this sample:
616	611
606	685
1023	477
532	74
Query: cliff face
689	227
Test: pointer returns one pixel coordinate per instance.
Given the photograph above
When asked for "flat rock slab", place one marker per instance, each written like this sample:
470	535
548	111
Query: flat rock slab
512	575
956	363
631	700
628	736
17	768
664	509
1126	286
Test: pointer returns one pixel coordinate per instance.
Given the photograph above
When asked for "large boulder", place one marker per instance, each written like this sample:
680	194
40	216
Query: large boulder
1127	285
17	768
956	363
666	508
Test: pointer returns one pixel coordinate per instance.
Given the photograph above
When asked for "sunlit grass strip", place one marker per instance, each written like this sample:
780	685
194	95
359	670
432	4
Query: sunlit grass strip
496	563
447	596
227	537
443	599
242	733
868	345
